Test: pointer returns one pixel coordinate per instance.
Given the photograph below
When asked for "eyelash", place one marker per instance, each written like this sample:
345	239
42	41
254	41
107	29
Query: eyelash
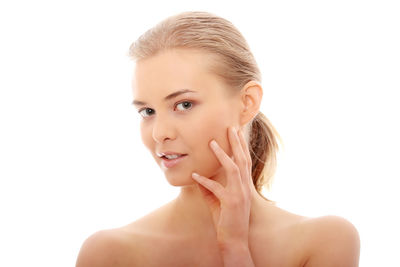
185	101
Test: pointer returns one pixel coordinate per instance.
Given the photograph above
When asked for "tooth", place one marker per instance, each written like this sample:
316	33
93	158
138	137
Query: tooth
172	156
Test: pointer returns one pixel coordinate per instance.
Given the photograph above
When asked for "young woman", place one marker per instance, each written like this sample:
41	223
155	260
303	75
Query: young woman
198	89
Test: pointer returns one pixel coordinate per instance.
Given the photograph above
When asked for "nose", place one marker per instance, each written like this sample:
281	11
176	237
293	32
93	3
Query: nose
163	130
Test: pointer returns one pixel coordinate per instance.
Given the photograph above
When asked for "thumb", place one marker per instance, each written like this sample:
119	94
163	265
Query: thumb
212	202
208	196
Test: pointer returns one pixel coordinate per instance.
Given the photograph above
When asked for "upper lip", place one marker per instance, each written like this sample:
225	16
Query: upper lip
161	154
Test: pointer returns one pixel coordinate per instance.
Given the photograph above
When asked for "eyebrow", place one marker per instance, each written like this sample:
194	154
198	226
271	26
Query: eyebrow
168	97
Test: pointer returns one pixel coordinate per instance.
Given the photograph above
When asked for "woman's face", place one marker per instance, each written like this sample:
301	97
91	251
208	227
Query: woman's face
183	123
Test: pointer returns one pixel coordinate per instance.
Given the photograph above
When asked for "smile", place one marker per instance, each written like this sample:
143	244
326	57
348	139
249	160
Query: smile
169	163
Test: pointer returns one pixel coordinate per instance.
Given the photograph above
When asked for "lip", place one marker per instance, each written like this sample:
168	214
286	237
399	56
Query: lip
169	163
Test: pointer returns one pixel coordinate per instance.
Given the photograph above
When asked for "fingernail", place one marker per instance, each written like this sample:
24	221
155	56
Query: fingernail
213	144
195	175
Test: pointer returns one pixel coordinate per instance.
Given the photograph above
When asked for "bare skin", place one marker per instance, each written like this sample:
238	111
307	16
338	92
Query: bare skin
185	231
275	238
287	240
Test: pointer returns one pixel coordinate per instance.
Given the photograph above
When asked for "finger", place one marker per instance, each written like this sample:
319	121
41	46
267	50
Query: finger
238	153
245	147
232	170
216	188
246	150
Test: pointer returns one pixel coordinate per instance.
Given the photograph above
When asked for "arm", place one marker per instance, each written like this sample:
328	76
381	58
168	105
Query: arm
230	205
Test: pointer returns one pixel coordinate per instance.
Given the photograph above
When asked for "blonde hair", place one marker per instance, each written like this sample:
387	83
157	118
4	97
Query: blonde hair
235	65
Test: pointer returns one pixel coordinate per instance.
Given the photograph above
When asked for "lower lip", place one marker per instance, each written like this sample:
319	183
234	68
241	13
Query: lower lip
169	163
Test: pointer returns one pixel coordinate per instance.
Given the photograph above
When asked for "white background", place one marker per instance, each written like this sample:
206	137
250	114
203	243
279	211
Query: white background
71	158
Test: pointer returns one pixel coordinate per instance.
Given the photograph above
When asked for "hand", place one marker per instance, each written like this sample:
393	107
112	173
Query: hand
230	205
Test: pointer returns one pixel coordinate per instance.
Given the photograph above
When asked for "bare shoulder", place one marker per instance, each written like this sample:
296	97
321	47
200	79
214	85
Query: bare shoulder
332	241
123	246
109	247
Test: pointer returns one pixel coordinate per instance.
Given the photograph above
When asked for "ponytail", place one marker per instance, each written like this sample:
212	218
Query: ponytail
263	150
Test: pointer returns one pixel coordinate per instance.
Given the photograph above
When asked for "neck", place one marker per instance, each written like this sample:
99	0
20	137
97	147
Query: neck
193	215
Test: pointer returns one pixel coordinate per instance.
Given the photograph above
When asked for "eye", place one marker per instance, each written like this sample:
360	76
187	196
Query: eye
145	112
185	105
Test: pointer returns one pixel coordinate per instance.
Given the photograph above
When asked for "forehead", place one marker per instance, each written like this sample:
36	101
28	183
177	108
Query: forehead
172	70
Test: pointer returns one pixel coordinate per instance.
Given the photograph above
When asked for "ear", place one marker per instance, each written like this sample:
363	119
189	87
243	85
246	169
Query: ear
250	96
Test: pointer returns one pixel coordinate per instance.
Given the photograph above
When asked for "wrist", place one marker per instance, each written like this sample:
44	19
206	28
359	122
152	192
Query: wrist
233	247
236	254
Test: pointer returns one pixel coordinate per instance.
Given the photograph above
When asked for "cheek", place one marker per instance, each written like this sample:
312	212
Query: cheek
212	127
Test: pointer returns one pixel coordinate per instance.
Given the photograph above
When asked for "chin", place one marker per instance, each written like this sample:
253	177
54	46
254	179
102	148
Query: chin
180	181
